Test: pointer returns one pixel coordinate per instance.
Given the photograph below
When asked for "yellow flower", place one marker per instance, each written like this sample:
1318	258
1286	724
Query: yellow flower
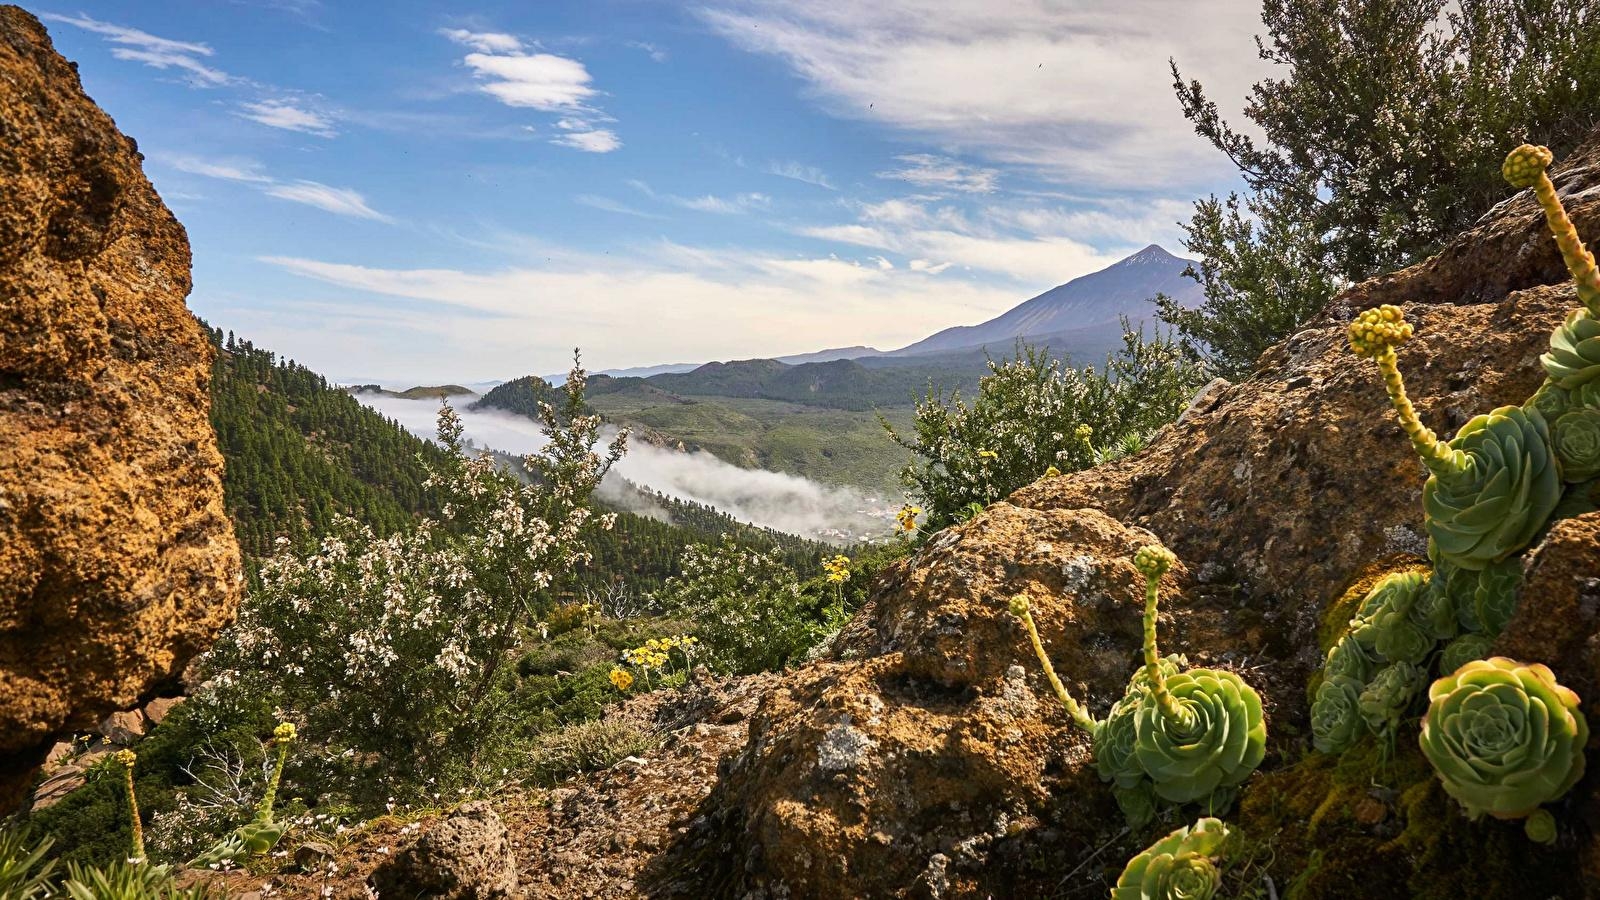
908	517
988	454
837	568
621	679
1052	472
127	758
284	733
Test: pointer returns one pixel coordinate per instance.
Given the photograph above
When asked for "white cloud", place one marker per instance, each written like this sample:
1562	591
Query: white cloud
647	306
607	204
339	201
927	170
289	116
484	41
600	140
541	81
246	170
1077	90
138	46
656	53
800	172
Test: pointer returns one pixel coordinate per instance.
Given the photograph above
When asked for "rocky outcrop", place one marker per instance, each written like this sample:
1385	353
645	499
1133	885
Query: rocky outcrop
117	562
465	857
925	756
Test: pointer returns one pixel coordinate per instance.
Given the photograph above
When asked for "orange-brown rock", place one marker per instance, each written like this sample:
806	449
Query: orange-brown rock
117	562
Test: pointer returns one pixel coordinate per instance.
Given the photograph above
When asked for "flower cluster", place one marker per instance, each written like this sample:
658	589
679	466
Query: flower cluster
907	517
837	569
1378	331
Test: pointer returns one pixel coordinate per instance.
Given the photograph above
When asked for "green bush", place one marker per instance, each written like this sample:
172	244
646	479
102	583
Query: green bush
1032	414
587	747
748	608
1438	88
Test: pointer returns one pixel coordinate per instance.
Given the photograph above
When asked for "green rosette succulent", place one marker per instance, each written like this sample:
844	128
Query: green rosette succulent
1463	650
1383	702
1574	356
1551	400
1347	658
1138	803
1114	758
1336	714
1218	739
1181	866
1435	609
1501	492
1576	435
1494	601
1385	624
1504	737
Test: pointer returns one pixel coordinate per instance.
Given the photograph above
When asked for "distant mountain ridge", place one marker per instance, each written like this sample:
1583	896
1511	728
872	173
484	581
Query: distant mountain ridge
1091	304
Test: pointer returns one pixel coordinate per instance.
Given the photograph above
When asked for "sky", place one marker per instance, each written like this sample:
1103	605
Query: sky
420	192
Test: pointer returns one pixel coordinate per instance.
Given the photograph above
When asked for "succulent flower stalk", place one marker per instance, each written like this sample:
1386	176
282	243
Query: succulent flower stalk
1181	866
1528	167
1196	732
1020	608
126	758
1503	737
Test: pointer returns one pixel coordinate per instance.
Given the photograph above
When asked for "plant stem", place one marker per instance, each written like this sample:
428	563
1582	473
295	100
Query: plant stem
1580	262
264	809
1074	708
1158	682
1436	454
133	812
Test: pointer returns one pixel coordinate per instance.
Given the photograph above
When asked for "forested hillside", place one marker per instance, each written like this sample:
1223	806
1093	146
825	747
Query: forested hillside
300	451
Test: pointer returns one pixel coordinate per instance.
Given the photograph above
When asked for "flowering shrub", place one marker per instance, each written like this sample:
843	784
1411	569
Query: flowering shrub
747	606
391	651
1031	415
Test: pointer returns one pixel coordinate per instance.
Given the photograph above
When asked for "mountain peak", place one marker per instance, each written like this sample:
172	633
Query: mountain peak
1154	254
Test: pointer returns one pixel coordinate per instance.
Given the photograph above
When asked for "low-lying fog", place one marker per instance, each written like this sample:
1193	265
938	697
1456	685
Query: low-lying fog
776	500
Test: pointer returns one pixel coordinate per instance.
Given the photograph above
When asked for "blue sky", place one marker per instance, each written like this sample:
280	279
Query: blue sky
414	192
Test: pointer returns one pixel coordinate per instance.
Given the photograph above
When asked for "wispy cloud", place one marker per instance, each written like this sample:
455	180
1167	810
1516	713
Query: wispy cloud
336	200
134	45
339	201
730	205
927	170
795	171
607	204
505	70
289	116
1032	87
656	52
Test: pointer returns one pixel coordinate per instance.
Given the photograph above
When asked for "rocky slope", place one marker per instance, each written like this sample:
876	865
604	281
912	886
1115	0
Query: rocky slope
117	563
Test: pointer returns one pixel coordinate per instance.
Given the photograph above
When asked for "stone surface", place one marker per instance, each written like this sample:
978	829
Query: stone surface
117	563
467	856
158	709
124	728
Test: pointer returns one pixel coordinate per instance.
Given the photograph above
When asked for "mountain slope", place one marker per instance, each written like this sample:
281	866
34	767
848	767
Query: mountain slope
1090	304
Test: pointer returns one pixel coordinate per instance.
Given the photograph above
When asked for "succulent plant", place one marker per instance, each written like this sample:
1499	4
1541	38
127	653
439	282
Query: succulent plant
1349	659
1551	400
1463	650
1528	167
262	833
1494	601
1021	608
1493	486
1504	737
1435	609
127	759
1384	700
1138	803
1385	624
1195	731
1181	866
1336	714
1114	743
1540	827
1576	435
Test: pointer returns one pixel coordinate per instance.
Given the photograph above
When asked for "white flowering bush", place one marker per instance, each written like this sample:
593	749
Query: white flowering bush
749	609
391	652
1033	414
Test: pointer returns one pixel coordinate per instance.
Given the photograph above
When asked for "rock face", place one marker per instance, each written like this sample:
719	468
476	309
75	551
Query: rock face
117	562
465	857
926	757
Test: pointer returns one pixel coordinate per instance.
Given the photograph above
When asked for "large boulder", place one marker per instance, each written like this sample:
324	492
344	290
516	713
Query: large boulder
924	756
465	857
117	561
